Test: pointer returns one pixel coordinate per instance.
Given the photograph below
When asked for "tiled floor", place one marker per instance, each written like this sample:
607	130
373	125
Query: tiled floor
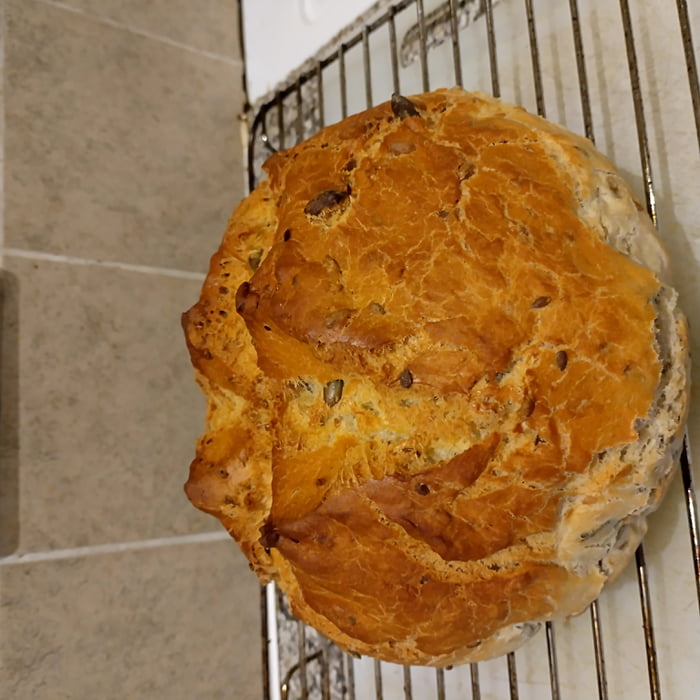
122	162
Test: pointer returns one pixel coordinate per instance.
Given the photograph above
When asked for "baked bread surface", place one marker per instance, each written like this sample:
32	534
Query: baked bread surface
446	377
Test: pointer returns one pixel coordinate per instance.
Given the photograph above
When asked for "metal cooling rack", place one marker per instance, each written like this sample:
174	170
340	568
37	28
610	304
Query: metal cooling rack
415	51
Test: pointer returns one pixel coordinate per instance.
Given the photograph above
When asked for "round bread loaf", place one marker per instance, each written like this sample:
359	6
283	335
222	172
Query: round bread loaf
446	377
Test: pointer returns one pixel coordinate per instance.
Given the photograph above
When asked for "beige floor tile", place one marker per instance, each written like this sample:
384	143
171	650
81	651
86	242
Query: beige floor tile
208	25
179	622
108	411
118	146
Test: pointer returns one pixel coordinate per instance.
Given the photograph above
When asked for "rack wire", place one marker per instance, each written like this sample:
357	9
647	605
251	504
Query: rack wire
415	51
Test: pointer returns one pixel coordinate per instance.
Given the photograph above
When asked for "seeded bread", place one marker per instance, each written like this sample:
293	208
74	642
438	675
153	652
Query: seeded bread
446	377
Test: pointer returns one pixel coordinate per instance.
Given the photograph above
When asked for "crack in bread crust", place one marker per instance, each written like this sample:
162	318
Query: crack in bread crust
447	378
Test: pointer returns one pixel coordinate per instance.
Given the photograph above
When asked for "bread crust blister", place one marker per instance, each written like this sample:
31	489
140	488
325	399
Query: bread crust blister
446	377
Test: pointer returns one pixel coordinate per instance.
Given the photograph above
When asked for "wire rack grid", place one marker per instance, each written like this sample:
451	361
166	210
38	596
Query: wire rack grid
626	77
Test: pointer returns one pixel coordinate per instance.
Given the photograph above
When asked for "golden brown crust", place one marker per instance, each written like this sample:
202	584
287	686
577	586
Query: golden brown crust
426	343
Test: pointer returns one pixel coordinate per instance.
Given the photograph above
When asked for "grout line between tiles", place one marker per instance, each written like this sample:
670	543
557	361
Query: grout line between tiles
74	260
114	548
144	33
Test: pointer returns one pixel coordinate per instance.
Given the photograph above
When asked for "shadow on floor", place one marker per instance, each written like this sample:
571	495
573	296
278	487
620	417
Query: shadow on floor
9	414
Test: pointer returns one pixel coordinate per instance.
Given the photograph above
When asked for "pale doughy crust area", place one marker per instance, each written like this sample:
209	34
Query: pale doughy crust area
447	378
